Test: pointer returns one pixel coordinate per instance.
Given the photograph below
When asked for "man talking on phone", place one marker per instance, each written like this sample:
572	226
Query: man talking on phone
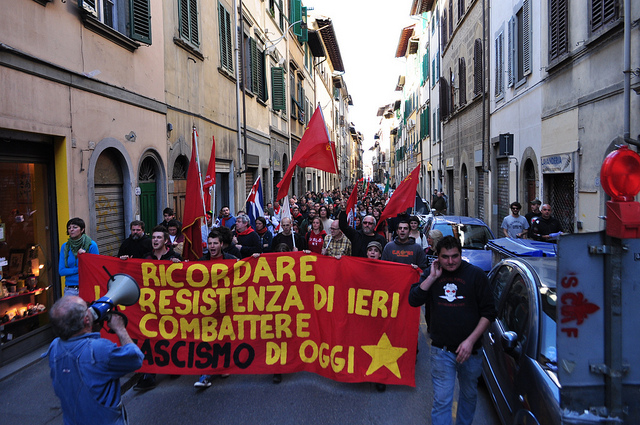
460	306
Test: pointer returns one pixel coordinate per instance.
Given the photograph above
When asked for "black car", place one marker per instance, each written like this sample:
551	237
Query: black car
520	361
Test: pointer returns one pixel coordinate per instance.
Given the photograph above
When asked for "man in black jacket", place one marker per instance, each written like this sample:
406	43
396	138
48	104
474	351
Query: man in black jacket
137	244
546	228
360	238
461	307
294	241
246	239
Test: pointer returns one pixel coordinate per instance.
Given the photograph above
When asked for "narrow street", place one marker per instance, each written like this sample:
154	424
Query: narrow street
302	398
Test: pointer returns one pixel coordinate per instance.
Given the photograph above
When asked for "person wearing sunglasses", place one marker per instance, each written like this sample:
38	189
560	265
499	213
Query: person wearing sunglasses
514	225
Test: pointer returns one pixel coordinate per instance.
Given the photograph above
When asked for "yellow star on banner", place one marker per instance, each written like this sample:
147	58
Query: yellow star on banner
384	354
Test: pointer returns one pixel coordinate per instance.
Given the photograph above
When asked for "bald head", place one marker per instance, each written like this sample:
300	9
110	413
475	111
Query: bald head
70	317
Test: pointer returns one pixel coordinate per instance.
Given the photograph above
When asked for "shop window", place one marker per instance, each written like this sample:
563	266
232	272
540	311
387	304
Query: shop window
25	243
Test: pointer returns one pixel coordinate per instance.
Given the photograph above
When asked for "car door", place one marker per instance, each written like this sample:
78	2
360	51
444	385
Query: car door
512	324
500	279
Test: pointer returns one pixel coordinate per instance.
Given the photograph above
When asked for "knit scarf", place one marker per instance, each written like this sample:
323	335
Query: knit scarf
262	231
74	245
245	232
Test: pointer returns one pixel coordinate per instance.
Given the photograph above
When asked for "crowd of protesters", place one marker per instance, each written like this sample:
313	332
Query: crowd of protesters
319	223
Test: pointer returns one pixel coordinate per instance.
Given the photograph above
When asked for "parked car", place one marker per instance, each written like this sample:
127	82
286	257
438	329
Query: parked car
472	232
520	357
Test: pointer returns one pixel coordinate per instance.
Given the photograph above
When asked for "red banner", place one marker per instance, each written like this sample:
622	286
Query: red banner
347	319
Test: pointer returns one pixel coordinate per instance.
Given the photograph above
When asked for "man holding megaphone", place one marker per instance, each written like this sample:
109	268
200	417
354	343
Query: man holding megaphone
85	368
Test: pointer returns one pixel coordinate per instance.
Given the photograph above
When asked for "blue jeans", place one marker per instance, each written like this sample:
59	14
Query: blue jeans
443	373
71	291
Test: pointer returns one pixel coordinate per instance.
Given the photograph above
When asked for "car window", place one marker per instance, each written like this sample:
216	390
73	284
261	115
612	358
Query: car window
471	236
499	282
548	353
515	313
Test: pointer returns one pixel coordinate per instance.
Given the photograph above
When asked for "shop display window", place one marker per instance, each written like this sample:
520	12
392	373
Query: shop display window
26	292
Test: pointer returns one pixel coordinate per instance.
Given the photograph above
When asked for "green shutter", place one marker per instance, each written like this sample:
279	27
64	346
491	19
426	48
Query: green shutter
183	14
140	18
253	50
193	17
295	16
304	32
426	122
262	91
226	50
188	19
278	90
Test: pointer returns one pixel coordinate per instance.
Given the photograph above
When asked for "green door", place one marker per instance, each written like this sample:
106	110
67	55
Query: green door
148	212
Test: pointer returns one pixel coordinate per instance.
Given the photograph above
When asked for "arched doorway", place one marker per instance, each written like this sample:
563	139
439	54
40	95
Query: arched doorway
529	181
147	181
464	176
109	202
179	175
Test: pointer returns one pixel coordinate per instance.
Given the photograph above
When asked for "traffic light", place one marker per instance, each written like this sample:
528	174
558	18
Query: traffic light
620	179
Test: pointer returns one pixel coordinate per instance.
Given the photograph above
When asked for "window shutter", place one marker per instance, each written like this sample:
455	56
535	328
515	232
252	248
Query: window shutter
226	51
426	122
444	97
462	85
526	37
90	6
433	72
511	50
477	66
262	77
450	18
140	18
558	36
255	72
443	31
304	31
295	15
193	16
499	65
278	90
183	12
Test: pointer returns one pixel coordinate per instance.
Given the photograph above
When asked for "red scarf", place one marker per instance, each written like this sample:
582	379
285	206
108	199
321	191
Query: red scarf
262	232
246	232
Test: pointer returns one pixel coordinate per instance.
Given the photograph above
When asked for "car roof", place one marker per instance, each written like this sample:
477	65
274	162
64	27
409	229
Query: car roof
459	219
544	267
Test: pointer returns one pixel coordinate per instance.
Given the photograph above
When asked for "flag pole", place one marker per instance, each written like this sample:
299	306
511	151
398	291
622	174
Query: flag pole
195	135
332	147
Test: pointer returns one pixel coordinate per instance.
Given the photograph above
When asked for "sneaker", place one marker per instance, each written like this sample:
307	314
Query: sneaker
203	382
381	387
277	378
147	382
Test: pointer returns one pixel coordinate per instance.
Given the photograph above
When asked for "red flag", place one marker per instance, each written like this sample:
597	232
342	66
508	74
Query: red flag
193	207
351	204
367	191
210	178
315	150
404	196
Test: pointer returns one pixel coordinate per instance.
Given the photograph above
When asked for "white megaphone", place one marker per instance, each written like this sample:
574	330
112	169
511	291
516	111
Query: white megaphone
122	289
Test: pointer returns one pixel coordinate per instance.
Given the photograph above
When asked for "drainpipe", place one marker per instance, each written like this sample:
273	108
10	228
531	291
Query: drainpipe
244	92
237	76
627	73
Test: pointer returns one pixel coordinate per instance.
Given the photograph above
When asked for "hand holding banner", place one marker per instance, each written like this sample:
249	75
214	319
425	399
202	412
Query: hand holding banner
346	319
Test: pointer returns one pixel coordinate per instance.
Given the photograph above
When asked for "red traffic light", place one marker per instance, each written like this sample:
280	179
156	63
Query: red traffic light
620	174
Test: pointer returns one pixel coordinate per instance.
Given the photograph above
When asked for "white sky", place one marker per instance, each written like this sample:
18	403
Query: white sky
368	33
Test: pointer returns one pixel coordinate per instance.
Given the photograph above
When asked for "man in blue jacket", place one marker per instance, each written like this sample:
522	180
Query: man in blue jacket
86	369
